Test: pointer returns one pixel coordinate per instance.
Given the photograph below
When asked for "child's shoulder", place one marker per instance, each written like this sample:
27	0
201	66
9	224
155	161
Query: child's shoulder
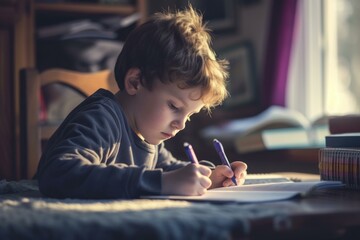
102	96
103	93
101	101
97	110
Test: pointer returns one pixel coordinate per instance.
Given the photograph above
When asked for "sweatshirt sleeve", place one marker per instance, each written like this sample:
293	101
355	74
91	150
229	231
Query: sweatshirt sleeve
79	161
167	161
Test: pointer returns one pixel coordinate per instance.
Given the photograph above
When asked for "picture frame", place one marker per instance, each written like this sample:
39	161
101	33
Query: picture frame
220	15
242	82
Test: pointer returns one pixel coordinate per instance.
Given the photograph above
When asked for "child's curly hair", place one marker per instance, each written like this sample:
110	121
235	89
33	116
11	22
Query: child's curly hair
175	47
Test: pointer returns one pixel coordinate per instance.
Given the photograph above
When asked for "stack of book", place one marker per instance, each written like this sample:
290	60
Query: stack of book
340	159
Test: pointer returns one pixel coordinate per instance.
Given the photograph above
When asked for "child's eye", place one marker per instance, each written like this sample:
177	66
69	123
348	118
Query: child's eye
173	107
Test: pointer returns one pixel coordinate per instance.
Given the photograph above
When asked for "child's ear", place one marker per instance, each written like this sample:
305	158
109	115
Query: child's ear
132	81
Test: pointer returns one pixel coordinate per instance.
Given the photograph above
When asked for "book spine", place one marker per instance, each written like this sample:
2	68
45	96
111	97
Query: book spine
340	164
343	141
344	124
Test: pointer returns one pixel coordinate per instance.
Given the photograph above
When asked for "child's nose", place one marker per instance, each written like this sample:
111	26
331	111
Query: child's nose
179	124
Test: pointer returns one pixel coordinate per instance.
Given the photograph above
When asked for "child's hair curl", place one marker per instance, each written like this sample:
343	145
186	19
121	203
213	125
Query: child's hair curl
175	47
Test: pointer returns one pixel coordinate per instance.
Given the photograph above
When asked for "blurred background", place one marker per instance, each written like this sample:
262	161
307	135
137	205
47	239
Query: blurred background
301	55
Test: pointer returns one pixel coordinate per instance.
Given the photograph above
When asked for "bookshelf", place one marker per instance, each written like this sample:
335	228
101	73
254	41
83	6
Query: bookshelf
93	8
18	25
85	8
56	22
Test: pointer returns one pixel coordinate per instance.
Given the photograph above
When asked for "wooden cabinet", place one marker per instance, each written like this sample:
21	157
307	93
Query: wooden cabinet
17	51
17	44
7	22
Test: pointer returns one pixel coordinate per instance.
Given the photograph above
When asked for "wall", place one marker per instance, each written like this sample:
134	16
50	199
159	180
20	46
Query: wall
253	25
252	20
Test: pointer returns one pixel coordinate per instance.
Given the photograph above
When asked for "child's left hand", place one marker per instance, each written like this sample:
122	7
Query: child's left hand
222	174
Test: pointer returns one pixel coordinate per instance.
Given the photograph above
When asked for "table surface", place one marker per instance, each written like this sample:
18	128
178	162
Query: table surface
330	213
324	214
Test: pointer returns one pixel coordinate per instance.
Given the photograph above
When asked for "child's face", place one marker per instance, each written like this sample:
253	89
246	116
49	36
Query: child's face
161	113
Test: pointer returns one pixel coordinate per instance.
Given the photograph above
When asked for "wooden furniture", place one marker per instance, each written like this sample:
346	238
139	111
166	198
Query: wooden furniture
18	25
17	51
325	214
32	131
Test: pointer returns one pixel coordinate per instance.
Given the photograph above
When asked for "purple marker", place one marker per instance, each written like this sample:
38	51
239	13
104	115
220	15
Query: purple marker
190	153
220	150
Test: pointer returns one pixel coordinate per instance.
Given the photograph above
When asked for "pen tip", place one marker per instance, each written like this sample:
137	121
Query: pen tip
186	144
215	140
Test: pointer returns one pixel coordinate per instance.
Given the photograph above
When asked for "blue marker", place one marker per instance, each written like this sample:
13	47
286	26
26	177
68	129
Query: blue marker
220	150
190	153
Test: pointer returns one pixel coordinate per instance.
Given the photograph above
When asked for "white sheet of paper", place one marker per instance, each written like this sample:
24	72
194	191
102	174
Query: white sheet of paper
256	192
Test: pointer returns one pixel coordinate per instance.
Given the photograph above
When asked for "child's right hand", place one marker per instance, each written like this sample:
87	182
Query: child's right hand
193	179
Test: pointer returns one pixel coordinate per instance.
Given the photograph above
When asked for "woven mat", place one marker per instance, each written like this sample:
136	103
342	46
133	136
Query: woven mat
25	214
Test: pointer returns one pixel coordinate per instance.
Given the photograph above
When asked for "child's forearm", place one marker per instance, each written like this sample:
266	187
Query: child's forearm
69	180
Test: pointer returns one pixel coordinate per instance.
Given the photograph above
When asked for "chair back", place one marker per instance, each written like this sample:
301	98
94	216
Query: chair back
34	130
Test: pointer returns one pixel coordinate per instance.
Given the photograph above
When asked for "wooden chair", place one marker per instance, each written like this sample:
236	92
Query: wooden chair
33	131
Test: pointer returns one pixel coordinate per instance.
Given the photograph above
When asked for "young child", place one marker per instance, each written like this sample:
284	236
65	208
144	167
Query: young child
112	146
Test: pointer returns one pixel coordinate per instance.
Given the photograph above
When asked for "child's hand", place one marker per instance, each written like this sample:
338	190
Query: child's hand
222	174
192	179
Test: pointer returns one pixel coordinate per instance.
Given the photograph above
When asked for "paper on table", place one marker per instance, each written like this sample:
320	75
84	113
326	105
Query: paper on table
265	178
256	192
230	196
300	187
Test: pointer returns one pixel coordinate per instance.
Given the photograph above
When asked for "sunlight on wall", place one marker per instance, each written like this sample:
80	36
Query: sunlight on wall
324	76
342	35
305	77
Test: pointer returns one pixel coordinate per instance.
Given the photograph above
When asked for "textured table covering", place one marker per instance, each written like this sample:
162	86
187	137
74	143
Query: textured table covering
25	214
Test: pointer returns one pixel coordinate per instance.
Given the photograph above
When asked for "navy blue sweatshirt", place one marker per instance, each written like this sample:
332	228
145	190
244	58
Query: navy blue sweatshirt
95	154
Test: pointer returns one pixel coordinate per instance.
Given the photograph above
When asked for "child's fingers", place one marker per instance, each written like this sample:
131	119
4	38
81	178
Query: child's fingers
240	181
239	168
205	182
201	191
228	182
241	175
204	170
225	171
239	165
